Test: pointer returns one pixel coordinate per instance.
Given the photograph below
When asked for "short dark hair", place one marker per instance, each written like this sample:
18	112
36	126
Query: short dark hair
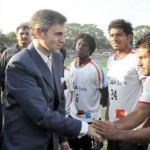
63	52
144	42
126	26
89	39
22	26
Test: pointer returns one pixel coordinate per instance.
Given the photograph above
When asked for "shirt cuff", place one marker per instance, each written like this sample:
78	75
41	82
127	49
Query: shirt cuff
84	129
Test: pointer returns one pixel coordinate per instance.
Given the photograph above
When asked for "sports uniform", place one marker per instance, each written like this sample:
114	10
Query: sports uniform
145	97
88	79
125	87
124	80
68	90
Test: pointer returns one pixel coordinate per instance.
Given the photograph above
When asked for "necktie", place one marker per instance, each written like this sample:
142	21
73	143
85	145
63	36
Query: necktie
49	64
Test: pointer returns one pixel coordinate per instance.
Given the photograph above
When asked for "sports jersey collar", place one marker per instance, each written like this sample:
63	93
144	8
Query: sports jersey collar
77	66
128	52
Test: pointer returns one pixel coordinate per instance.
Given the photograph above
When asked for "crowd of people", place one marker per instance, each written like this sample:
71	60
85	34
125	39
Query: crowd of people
46	105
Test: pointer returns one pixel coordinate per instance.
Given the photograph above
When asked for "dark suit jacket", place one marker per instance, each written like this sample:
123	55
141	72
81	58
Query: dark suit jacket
7	54
35	108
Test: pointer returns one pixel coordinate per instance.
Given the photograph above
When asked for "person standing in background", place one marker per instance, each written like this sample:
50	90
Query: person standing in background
90	86
68	91
23	39
67	80
2	50
124	78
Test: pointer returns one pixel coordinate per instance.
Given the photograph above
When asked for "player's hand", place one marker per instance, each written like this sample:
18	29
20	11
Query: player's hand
92	132
105	128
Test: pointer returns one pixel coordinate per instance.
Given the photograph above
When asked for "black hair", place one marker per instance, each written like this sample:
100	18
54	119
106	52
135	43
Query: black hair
122	24
89	39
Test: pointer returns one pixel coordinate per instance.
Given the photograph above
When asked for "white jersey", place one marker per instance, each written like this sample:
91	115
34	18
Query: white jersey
124	84
69	89
87	81
145	97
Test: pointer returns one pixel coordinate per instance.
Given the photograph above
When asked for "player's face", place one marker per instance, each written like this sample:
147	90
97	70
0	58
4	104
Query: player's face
144	60
82	49
119	40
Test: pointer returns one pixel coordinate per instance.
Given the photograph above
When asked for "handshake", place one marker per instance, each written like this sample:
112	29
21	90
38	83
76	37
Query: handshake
99	130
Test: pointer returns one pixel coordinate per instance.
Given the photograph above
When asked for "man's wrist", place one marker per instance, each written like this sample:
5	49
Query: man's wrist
84	129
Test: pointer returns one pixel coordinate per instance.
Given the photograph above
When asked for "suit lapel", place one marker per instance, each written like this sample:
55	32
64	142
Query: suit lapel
56	74
41	65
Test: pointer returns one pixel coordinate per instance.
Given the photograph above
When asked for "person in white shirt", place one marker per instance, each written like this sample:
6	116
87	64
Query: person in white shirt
124	77
121	129
67	80
90	86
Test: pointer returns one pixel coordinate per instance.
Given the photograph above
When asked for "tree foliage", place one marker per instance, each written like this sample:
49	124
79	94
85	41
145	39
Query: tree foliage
139	31
74	29
7	39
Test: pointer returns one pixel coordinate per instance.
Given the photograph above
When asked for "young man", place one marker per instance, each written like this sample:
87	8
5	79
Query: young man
121	129
124	77
35	97
90	85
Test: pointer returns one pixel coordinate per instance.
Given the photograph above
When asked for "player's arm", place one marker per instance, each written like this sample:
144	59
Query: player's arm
104	96
134	136
135	118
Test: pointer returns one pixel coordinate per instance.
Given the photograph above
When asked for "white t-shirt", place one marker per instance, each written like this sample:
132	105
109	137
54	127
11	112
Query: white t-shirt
68	91
124	85
87	81
145	97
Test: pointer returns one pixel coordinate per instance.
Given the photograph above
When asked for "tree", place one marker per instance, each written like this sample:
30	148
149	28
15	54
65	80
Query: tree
7	39
74	29
3	39
11	37
139	31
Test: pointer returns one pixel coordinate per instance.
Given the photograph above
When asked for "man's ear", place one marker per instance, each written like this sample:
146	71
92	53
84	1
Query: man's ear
130	37
38	32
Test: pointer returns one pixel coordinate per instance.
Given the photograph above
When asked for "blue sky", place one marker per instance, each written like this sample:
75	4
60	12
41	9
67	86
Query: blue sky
99	12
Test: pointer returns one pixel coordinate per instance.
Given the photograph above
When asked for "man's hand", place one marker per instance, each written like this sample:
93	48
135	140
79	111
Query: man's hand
92	132
105	128
64	146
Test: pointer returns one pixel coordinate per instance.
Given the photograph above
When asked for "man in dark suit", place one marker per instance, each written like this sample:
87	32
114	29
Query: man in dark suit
35	117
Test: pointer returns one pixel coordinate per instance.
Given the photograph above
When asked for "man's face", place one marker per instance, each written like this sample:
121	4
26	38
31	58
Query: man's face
23	37
144	60
119	40
53	39
82	49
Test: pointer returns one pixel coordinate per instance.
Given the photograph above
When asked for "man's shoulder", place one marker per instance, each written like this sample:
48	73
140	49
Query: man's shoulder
11	51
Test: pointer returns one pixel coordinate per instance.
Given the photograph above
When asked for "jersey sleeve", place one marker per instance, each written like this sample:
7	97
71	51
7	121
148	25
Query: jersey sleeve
145	96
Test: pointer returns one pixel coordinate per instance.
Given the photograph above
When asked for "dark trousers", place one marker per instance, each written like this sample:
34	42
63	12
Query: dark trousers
117	145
